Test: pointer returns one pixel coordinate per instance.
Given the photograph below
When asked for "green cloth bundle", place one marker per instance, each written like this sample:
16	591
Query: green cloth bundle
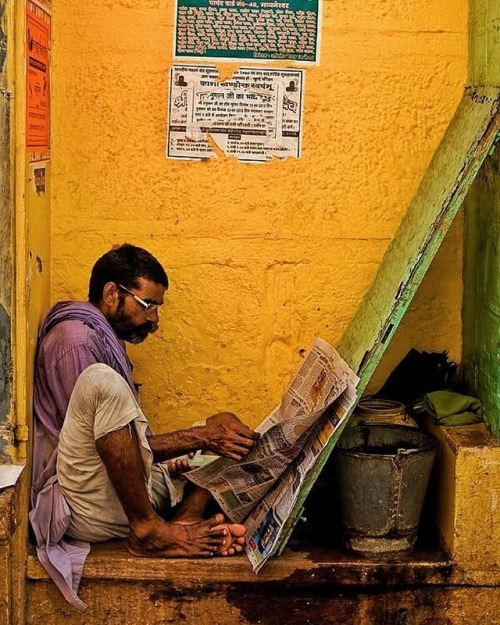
448	408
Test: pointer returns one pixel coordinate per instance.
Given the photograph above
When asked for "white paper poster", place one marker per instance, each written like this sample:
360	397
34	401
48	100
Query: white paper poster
256	115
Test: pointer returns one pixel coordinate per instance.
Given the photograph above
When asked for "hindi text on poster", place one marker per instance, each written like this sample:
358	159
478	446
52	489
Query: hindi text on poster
254	116
248	29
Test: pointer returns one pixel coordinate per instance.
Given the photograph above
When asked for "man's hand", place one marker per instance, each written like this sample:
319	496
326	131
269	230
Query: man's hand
227	436
224	434
177	467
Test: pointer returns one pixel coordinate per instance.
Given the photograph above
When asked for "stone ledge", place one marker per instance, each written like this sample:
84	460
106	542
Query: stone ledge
467	437
312	568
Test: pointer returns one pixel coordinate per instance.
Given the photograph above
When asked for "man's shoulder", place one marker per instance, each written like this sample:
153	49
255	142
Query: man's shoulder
67	336
71	330
100	374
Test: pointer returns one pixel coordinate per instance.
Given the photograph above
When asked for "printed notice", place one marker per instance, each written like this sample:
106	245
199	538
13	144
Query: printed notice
248	29
256	115
37	77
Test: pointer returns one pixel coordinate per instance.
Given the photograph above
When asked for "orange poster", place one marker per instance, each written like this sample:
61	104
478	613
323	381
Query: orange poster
37	78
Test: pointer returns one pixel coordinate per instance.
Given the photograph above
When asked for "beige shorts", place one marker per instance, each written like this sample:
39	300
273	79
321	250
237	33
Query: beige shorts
102	402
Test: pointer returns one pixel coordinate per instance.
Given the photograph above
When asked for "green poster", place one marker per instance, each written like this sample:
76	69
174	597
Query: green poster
248	29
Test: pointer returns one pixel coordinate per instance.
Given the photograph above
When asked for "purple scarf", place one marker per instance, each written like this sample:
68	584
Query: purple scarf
113	351
50	516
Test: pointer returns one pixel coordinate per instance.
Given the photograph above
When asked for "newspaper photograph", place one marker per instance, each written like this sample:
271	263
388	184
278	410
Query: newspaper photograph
239	487
256	115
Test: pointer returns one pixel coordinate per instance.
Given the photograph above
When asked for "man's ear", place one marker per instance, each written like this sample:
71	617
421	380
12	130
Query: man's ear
110	295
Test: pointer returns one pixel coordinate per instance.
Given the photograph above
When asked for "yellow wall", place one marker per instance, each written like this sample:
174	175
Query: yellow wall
261	257
32	249
33	292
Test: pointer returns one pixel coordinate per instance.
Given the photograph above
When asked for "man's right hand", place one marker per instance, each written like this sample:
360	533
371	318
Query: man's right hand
227	436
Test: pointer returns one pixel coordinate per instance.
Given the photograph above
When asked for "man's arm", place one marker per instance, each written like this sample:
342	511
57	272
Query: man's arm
224	434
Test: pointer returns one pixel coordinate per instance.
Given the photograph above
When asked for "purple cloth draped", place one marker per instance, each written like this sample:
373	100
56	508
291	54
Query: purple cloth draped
73	336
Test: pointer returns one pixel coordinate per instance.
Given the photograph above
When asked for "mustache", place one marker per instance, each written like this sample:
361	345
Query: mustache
149	327
141	332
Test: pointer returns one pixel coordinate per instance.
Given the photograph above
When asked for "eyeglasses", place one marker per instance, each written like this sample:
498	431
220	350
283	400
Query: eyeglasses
146	306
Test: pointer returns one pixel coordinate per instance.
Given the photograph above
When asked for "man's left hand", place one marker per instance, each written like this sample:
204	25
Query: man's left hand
229	437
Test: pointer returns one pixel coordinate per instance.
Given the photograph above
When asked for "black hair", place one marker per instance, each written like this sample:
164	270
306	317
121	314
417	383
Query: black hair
124	264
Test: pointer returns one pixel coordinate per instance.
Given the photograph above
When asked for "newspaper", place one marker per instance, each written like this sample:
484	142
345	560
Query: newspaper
268	520
261	490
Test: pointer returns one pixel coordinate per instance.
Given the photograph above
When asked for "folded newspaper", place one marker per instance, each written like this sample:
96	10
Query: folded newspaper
261	490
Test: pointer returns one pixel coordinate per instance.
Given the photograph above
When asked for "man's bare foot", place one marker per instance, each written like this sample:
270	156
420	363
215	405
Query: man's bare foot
158	539
234	534
235	538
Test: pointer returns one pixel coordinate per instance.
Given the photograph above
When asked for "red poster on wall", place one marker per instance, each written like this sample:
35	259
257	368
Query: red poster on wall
37	77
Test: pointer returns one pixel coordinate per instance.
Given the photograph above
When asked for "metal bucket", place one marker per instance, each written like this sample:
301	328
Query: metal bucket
382	473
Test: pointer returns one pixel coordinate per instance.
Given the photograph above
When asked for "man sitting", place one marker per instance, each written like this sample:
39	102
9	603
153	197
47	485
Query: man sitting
106	476
107	472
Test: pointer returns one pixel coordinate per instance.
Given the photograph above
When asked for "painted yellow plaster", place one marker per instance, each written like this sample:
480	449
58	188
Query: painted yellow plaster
32	252
33	288
261	257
